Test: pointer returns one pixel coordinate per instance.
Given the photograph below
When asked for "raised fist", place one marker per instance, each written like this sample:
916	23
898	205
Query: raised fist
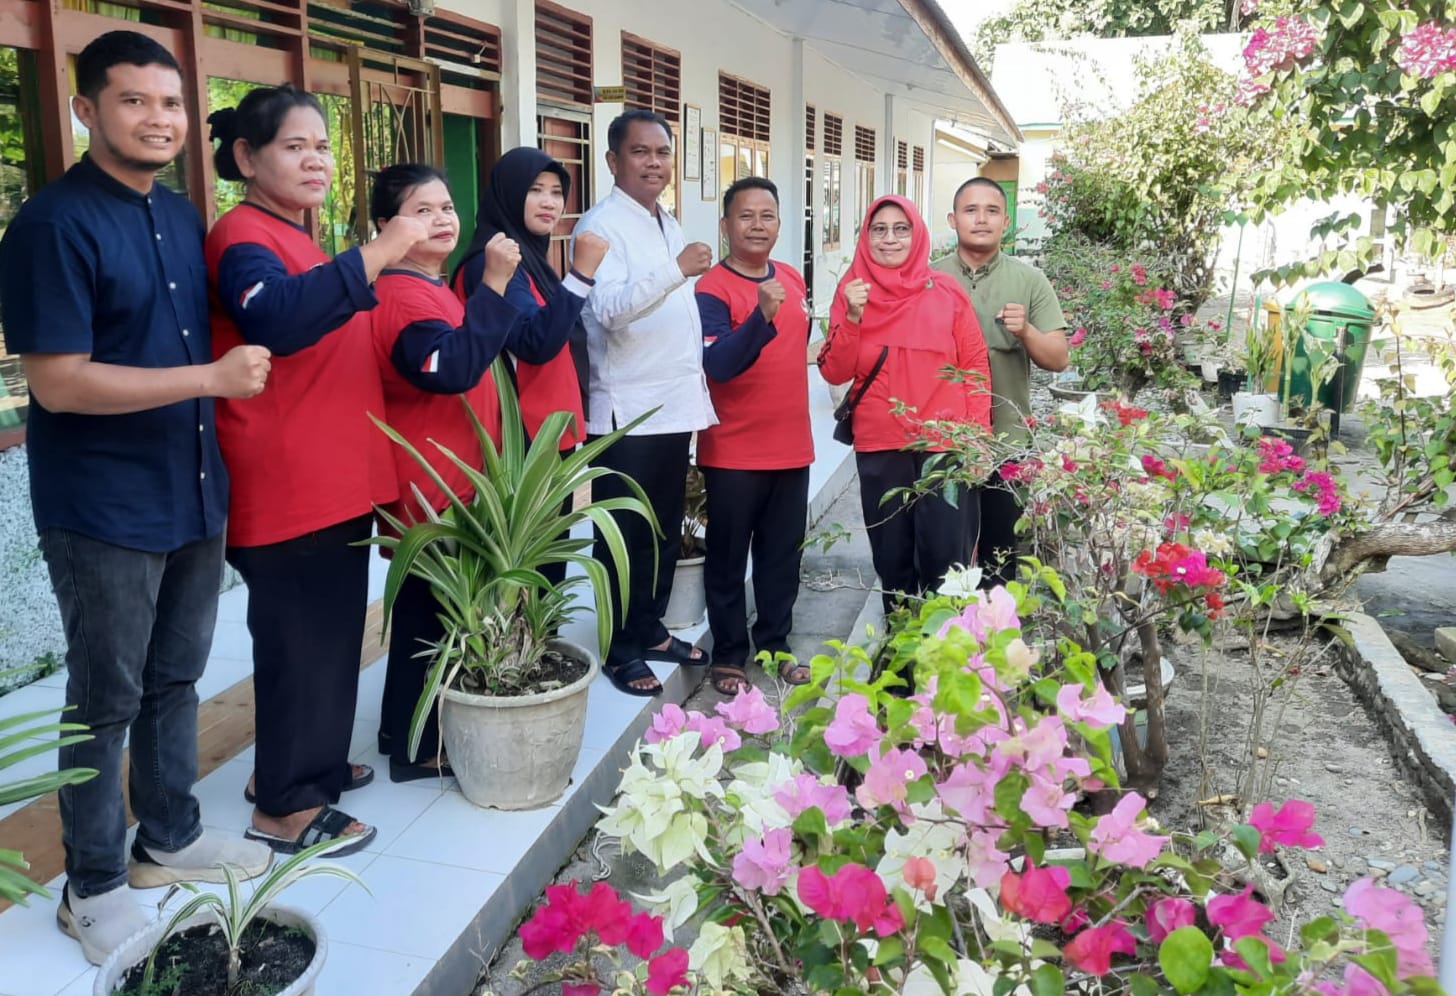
695	259
770	296
856	296
241	372
588	252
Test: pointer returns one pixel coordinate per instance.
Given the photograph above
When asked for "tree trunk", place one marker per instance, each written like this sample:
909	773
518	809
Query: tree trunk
1388	539
1142	767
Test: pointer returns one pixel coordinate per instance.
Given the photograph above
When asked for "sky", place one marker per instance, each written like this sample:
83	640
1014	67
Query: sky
966	14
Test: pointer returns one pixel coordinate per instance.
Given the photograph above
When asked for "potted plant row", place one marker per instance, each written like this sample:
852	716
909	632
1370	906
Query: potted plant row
510	693
688	601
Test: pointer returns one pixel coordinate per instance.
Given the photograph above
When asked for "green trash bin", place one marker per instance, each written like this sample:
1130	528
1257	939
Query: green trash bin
1335	309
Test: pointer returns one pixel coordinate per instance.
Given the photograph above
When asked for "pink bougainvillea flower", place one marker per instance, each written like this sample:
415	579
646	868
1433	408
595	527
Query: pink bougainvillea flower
1078	336
1046	803
1093	948
967	791
1099	711
1427	50
1042	745
1398	917
986	862
1139	274
712	730
1167	915
580	988
666	724
548	930
1230	956
644	934
749	712
666	971
1289	825
804	791
1238	916
853	730
1038	894
1276	456
763	864
1328	492
991	612
1359	982
887	782
1117	838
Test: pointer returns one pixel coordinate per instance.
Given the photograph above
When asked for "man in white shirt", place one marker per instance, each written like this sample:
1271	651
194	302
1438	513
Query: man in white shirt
645	343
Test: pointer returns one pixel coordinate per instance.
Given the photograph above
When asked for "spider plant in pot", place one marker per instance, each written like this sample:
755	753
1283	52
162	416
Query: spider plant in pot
511	695
688	600
227	943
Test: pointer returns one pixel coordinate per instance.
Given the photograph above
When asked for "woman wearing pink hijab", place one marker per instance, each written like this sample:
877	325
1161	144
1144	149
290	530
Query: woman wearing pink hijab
890	303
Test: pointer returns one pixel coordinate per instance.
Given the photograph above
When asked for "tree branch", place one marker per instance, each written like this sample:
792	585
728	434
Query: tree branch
1389	539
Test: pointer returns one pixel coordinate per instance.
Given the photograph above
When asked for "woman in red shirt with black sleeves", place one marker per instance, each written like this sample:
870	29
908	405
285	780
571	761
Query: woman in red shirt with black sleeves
306	464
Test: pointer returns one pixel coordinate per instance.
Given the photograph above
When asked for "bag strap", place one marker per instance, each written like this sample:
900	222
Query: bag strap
852	400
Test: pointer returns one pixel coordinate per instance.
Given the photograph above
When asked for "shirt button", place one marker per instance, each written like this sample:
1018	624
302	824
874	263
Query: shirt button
171	285
203	475
185	332
159	236
201	429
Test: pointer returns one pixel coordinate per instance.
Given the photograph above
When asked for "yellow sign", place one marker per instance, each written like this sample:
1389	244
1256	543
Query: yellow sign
609	94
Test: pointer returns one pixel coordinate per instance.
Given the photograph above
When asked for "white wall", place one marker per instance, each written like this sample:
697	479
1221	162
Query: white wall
718	37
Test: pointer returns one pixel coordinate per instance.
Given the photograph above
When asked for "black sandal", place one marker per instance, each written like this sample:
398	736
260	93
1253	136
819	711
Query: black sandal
328	824
622	675
729	679
677	652
794	673
364	777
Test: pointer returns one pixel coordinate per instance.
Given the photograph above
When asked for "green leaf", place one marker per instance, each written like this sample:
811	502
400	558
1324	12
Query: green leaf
1047	980
1185	956
890	949
1246	839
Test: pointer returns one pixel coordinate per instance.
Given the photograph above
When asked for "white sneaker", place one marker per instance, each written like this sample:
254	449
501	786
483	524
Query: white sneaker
199	861
101	923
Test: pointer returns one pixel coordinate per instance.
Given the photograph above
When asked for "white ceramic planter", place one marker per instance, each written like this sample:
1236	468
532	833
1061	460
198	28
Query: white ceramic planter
517	752
135	949
1260	409
689	600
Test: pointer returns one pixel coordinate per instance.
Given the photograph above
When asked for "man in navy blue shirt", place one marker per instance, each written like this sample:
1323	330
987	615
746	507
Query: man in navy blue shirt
104	296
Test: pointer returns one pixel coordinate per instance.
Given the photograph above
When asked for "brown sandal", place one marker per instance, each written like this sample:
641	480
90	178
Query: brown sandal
793	672
729	679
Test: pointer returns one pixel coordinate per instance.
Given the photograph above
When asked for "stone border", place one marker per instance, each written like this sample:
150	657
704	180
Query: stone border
1421	736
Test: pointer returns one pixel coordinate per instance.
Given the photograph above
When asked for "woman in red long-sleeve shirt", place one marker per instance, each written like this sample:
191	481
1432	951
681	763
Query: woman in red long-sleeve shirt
890	300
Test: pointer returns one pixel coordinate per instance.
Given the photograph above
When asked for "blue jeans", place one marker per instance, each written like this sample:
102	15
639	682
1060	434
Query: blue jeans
138	631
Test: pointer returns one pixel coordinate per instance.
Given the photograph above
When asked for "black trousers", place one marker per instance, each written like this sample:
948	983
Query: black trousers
913	543
999	544
306	603
414	624
659	465
763	512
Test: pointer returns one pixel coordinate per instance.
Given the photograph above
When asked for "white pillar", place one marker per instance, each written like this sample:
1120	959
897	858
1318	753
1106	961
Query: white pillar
518	74
791	195
885	172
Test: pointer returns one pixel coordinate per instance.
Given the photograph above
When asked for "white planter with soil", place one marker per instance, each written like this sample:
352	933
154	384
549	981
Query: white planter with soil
689	598
517	752
1260	409
134	950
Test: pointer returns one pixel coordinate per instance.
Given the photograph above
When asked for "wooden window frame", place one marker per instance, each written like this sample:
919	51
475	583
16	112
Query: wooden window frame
561	80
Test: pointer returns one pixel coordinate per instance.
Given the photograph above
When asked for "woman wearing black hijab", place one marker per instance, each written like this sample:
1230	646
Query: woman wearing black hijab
525	199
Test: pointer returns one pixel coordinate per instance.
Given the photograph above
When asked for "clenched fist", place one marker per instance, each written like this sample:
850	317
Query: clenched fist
502	256
695	259
241	372
856	296
1013	318
588	252
770	296
399	235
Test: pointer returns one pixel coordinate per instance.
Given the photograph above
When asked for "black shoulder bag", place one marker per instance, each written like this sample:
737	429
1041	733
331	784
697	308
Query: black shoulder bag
844	414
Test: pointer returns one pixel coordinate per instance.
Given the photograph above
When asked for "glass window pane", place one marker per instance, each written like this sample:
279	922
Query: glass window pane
21	174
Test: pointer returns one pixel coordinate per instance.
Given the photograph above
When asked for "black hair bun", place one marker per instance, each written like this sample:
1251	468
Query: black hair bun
224	124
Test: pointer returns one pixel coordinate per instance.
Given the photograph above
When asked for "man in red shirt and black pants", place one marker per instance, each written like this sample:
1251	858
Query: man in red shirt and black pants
755	461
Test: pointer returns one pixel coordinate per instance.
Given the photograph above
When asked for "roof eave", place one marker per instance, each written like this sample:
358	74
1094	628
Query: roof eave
948	42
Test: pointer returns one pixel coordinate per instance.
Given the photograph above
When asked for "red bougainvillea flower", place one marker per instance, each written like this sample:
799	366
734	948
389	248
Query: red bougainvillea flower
667	970
1167	915
1093	948
1176	564
580	988
1038	894
1154	467
1238	916
1289	825
1126	414
569	915
853	893
644	934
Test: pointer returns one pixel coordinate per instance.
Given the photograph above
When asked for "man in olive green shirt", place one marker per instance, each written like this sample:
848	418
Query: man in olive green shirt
1023	324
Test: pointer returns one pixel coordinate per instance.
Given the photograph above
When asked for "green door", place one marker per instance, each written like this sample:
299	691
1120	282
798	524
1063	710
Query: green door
462	166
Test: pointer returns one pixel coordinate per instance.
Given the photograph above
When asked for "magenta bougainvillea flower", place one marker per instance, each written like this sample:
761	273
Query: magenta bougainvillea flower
1428	50
1290	825
1038	894
1093	948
